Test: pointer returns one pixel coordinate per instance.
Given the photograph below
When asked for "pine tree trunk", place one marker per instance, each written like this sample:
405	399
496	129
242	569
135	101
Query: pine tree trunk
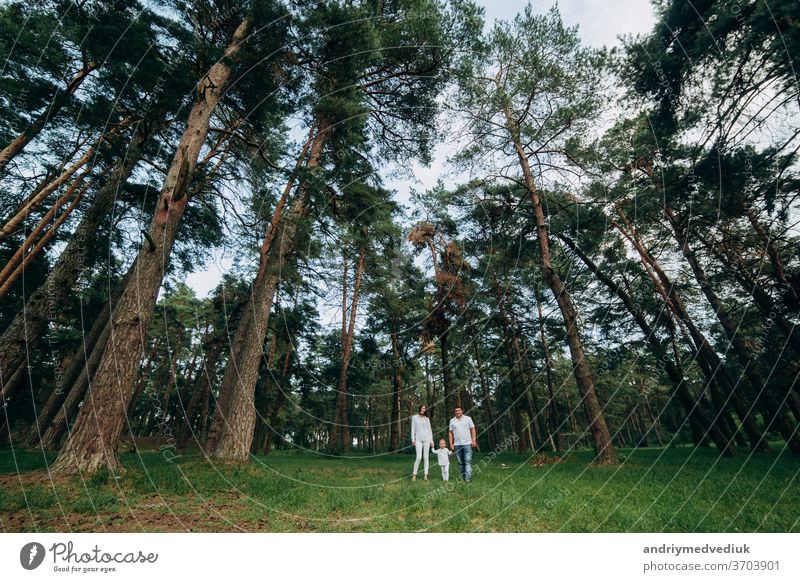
774	257
94	440
708	359
52	436
486	401
601	437
73	369
242	332
451	398
238	417
397	389
28	325
763	300
42	193
340	427
35	241
693	405
773	413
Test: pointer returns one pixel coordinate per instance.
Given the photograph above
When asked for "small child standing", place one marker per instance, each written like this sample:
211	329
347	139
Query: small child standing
443	454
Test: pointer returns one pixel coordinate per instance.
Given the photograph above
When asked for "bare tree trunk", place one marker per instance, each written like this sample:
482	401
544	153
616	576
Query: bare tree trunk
95	438
397	389
556	423
486	401
340	427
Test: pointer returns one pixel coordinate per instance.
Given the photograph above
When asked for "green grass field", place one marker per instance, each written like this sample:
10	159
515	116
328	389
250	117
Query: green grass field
676	490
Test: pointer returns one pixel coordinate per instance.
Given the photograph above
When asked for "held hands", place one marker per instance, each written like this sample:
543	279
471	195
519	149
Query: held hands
413	443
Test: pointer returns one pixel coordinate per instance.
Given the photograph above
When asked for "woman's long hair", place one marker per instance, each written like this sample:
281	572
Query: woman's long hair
420	410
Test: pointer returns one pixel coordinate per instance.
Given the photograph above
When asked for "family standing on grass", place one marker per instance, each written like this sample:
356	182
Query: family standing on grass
461	432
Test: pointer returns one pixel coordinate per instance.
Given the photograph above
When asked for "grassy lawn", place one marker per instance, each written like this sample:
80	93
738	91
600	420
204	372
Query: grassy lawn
675	490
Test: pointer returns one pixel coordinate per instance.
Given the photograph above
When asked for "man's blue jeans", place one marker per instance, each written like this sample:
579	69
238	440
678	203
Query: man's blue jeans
464	456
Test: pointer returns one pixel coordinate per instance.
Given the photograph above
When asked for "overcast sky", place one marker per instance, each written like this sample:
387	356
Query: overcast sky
600	23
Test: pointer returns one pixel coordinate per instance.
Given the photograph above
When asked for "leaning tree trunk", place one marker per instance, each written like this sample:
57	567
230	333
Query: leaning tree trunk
55	431
243	329
94	440
693	405
603	447
74	368
238	420
763	300
43	191
773	413
340	427
709	361
27	327
39	237
772	252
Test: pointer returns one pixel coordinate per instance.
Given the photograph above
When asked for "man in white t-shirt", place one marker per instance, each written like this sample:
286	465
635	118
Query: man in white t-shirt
462	441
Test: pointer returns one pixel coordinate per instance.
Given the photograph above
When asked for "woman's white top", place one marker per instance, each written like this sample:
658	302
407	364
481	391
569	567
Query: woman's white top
421	428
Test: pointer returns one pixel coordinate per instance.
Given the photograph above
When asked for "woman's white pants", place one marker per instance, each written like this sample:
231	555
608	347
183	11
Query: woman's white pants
423	447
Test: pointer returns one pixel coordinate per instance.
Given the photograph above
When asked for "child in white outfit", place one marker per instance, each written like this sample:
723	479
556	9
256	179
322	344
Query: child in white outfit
443	454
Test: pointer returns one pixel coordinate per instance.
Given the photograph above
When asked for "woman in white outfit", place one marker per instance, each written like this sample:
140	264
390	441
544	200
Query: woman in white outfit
421	438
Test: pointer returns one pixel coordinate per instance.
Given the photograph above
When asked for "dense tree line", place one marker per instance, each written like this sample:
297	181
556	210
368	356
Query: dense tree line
618	267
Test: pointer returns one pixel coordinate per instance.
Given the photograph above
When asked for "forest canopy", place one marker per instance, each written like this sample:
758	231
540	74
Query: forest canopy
616	263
